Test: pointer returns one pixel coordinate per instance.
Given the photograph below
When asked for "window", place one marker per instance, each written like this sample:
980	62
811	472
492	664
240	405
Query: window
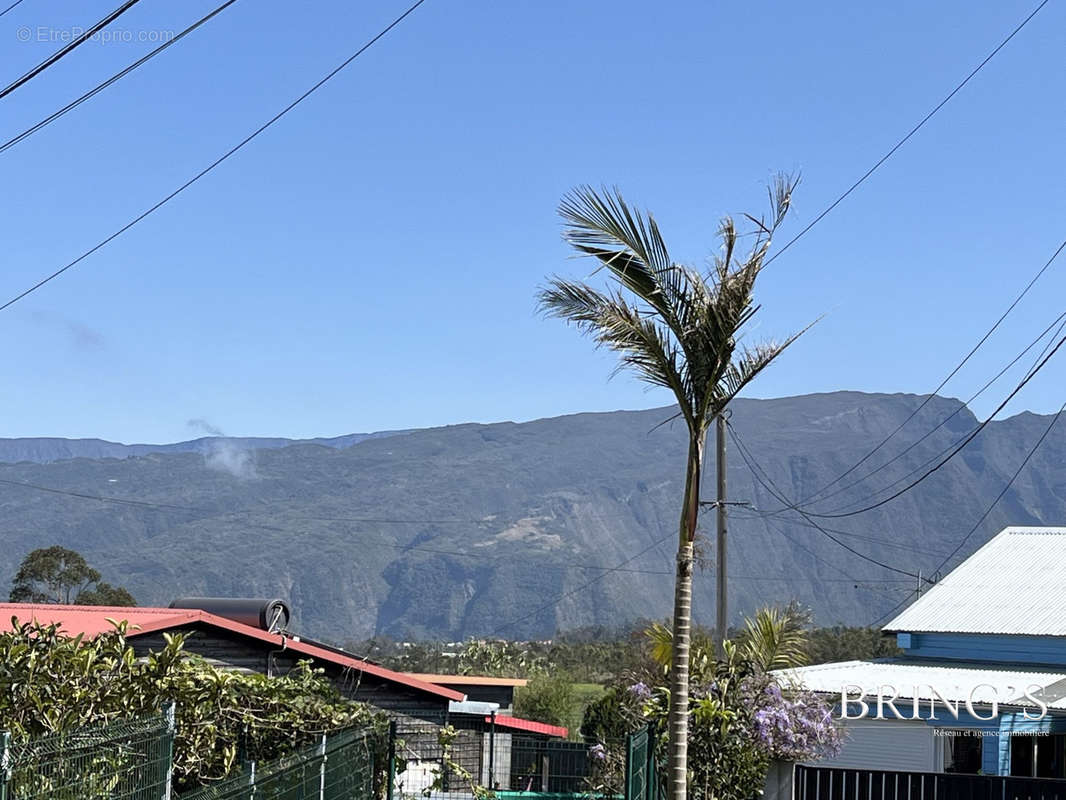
1038	756
962	751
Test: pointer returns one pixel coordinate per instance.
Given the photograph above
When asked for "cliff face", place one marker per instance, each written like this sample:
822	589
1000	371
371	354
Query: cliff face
452	532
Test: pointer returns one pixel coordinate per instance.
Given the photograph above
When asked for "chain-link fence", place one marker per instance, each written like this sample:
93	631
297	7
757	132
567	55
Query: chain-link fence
128	760
339	767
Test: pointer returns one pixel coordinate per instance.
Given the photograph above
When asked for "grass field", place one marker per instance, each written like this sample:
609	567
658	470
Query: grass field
584	693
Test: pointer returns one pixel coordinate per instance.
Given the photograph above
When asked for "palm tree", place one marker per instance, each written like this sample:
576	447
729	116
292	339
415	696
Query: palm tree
679	328
776	638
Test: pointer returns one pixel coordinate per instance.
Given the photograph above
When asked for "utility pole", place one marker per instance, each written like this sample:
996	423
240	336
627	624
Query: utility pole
918	588
722	622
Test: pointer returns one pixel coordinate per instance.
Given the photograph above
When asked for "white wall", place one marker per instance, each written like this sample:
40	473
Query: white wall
888	744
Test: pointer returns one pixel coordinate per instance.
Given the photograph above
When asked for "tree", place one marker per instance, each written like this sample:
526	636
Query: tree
546	698
776	638
678	328
58	575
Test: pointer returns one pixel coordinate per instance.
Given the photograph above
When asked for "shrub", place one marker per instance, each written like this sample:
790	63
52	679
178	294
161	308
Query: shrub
546	698
51	683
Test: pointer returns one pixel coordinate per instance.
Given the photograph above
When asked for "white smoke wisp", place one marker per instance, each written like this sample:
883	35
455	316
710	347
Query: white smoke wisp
224	454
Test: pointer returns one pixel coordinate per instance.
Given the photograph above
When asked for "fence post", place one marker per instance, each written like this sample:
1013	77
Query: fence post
322	768
492	751
651	780
392	760
170	717
5	762
627	775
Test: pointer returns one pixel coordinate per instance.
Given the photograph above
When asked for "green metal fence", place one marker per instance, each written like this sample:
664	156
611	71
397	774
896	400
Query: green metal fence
637	761
339	767
128	760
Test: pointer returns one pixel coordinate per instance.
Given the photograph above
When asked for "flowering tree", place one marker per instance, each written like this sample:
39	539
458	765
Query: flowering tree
740	720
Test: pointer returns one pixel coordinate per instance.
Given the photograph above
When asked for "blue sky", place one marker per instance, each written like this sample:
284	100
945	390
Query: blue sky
371	261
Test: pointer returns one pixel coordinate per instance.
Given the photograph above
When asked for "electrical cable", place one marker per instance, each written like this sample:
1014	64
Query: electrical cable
10	7
224	157
114	78
74	43
969	438
892	610
913	131
552	603
811	498
1060	321
858	584
906	476
873	539
999	497
768	484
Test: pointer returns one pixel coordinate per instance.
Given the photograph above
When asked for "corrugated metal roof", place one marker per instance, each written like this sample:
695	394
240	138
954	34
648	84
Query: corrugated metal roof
1014	584
918	677
94	620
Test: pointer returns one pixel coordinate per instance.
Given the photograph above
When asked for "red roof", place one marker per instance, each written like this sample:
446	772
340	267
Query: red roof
94	620
519	724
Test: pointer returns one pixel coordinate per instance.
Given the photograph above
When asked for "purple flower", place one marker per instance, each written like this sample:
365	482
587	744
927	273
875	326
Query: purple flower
641	691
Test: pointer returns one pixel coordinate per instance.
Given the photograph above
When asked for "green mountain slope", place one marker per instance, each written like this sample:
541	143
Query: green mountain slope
452	532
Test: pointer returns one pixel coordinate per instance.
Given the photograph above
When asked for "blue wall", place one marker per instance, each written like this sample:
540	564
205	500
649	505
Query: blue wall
1001	648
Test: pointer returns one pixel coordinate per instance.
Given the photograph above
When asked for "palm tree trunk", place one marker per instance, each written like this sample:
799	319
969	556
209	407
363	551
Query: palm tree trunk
677	754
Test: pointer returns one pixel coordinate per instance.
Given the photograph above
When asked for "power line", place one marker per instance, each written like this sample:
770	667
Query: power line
68	48
892	610
859	584
873	539
935	456
225	156
969	438
911	133
944	382
114	78
1017	472
1060	321
771	487
552	603
369	520
10	7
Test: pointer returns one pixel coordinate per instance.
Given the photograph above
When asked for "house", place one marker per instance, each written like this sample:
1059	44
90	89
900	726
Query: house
981	684
246	635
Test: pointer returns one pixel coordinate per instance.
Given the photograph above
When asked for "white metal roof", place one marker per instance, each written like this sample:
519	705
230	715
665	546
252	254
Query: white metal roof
919	677
1014	584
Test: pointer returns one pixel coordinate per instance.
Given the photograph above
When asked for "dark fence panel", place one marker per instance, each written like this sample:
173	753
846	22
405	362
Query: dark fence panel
834	783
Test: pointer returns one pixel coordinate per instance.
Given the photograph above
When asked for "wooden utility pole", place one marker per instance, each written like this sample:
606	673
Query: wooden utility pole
722	620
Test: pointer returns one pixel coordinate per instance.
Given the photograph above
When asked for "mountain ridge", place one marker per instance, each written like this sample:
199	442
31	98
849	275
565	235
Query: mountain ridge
459	530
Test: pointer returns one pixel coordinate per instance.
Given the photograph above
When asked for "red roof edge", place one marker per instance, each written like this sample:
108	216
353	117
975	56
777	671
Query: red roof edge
291	643
519	724
151	620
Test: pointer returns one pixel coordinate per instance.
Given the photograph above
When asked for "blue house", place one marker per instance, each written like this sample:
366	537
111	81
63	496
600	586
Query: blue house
981	684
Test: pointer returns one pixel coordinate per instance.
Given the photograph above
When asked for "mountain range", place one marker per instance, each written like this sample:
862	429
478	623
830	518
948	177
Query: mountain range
506	529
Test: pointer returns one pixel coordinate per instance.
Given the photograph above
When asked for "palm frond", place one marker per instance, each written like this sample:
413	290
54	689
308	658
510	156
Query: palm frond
776	638
744	368
602	220
643	345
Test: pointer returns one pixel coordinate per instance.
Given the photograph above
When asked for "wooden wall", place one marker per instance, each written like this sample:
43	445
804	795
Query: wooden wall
232	651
